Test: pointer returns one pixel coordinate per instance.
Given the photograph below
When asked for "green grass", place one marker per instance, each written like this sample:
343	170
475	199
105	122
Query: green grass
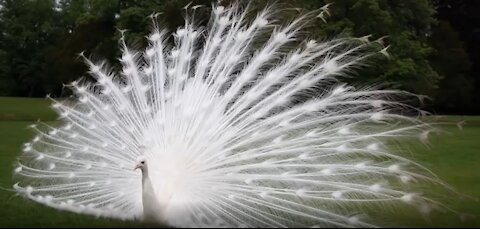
453	155
25	109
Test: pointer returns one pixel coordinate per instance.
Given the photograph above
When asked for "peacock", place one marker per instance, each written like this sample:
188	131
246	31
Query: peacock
244	122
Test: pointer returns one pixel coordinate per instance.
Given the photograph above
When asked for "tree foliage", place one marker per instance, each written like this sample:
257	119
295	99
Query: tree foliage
456	89
404	26
41	41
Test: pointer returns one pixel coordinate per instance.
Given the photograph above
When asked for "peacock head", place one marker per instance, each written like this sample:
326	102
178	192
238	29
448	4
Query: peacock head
141	164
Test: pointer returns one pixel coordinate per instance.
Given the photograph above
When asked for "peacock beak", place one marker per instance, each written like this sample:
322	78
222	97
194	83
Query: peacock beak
137	166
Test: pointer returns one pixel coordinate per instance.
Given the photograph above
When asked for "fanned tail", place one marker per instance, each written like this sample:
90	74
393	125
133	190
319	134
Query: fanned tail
244	129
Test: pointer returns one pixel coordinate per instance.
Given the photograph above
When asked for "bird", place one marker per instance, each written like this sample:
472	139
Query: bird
243	122
153	208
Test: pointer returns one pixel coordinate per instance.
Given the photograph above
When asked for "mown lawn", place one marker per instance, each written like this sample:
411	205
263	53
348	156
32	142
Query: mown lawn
453	155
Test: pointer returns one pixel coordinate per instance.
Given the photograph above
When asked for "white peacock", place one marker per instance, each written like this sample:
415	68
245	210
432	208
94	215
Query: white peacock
228	130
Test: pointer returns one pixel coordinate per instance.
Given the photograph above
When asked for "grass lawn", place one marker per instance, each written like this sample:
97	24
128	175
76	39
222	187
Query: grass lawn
453	155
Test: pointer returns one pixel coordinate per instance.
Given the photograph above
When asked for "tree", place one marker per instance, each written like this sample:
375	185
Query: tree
86	26
406	25
455	92
464	19
42	39
29	30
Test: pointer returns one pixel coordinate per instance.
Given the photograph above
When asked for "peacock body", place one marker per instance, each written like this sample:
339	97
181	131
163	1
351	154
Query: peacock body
231	131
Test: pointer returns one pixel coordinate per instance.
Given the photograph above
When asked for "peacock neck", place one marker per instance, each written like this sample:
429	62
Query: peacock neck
154	206
145	177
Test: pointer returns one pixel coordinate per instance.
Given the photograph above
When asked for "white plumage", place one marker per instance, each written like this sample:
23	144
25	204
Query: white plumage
154	206
229	132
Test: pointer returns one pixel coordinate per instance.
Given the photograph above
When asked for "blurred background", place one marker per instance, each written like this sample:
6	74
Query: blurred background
434	44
